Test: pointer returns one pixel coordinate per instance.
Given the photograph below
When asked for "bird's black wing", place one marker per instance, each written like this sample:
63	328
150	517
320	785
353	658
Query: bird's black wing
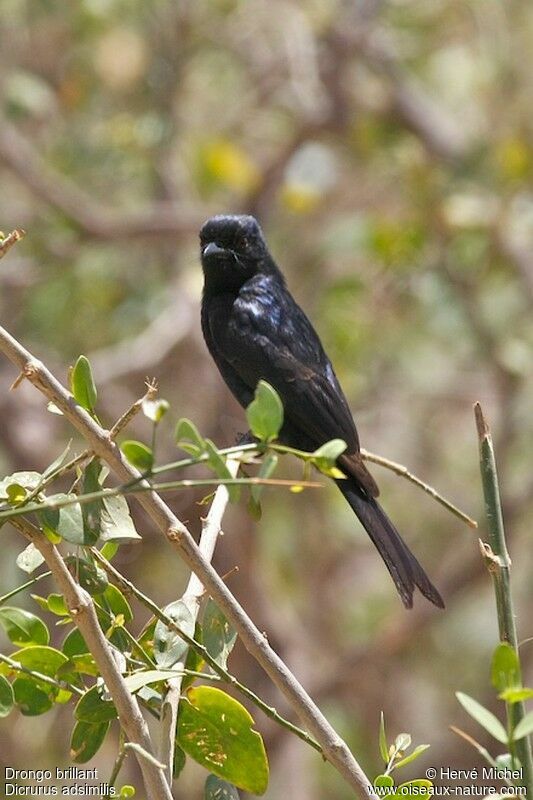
263	334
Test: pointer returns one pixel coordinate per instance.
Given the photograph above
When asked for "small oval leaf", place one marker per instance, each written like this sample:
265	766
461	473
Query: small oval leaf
138	454
87	738
82	384
265	412
505	668
7	697
91	707
22	627
169	647
483	716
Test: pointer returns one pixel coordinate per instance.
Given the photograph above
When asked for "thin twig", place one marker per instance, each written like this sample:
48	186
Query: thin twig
11	239
16	665
170	486
399	469
132	411
23	586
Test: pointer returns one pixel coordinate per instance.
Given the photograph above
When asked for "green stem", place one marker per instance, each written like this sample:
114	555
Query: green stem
159	487
39	675
499	565
117	766
23	586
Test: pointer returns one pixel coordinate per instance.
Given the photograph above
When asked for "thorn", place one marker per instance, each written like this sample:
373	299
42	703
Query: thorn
16	383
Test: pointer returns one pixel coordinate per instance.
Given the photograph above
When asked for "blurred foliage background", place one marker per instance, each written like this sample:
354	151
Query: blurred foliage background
387	149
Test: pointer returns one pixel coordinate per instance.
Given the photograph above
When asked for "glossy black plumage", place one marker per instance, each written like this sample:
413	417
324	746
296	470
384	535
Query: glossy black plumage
255	330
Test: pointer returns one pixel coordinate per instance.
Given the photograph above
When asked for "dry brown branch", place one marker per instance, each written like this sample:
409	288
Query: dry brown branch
11	239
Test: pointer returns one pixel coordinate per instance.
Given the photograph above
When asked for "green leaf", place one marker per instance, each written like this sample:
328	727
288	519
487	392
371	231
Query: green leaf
90	576
91	707
383	746
91	511
217	789
7	697
117	603
32	695
56	604
402	742
138	454
268	465
29	559
116	521
505	668
220	468
331	450
516	695
483	716
67	522
127	791
83	663
326	456
155	409
109	550
16	494
87	738
179	761
254	507
31	699
29	480
421	748
168	646
524	727
40	658
188	438
218	635
82	384
384	780
216	731
137	680
146	638
22	627
265	413
57	463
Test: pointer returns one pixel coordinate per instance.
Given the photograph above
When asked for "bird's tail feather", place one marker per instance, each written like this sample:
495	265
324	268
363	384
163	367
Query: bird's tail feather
405	570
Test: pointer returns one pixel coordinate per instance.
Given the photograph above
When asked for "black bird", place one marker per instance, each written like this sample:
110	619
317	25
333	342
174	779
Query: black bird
254	330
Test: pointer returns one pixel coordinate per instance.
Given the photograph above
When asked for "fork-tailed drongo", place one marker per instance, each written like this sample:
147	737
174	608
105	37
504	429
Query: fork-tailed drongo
254	330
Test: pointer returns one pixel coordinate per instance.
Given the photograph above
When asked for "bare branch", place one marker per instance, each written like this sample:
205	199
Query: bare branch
11	239
399	469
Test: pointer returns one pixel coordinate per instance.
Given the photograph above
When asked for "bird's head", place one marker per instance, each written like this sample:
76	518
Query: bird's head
233	249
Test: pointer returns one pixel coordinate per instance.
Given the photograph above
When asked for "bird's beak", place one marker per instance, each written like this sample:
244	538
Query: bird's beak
212	249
